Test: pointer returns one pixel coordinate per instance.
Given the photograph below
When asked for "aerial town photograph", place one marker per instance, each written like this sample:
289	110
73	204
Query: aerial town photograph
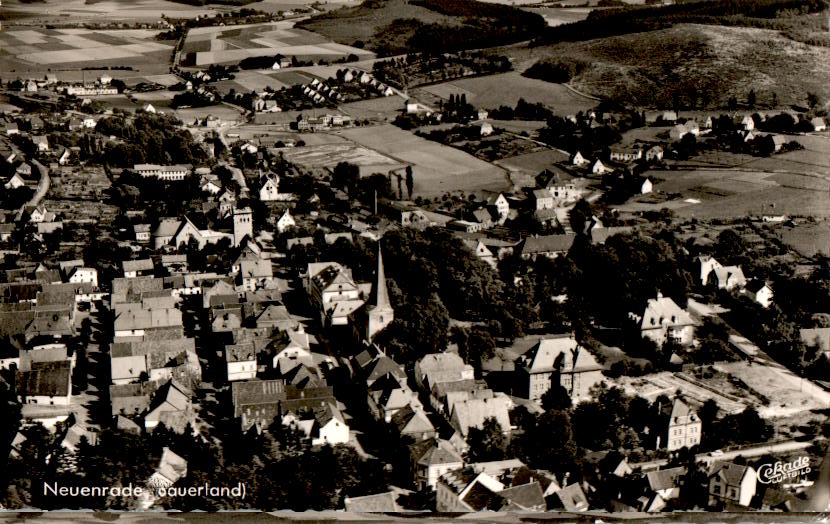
392	259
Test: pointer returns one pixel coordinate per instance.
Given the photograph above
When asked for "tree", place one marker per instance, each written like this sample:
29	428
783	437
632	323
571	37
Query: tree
410	181
813	100
487	443
556	398
750	98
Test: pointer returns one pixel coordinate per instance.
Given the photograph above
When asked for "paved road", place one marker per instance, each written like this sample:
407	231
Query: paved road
43	186
750	451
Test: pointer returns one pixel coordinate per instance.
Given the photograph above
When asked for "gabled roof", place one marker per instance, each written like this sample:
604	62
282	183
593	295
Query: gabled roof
48	379
573	498
664	479
434	452
732	473
144	264
561	352
380	503
663	311
525	496
409	420
547	244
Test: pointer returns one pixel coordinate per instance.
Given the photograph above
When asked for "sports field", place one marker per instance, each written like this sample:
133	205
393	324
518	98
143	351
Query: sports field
437	168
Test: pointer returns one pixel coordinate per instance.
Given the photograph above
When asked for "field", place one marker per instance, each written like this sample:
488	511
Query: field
557	15
437	168
789	393
382	109
134	10
217	45
488	92
531	164
667	383
725	193
35	47
274	6
808	239
329	155
719	61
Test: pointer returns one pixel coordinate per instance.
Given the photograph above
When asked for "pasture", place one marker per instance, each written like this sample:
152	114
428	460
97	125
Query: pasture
437	168
329	155
488	92
807	239
222	45
555	16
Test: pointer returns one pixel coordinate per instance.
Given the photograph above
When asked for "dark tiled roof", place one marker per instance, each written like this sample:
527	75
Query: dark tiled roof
50	379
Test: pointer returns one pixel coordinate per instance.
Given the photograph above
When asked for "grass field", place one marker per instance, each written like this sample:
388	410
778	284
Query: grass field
329	155
215	45
383	109
437	168
533	163
492	91
646	69
808	239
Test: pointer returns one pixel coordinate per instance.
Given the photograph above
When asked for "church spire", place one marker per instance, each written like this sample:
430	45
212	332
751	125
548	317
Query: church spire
381	293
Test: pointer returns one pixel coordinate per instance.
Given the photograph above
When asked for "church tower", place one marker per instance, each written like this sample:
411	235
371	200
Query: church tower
380	312
243	225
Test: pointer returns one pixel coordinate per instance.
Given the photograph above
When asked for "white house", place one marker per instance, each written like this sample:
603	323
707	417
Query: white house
663	319
646	187
270	189
578	160
599	168
760	292
241	361
285	221
84	275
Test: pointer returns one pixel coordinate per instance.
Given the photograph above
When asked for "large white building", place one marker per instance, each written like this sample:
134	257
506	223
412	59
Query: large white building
172	173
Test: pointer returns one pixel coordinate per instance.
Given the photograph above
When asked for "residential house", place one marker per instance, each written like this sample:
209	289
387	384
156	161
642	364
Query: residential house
558	360
137	268
664	319
578	160
473	412
684	428
441	367
818	124
171	468
255	274
654	153
285	222
706	264
431	459
501	204
731	484
257	402
241	361
46	383
570	498
142	233
88	275
466	490
663	485
380	503
626	155
333	292
412	422
550	246
760	292
669	116
598	168
140	320
645	186
270	189
690	127
41	142
172	406
730	277
390	394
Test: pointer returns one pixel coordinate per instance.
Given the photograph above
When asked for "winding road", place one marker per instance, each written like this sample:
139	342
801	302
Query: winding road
43	186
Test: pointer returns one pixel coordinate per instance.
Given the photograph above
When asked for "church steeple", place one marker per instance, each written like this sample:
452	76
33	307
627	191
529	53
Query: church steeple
381	293
380	313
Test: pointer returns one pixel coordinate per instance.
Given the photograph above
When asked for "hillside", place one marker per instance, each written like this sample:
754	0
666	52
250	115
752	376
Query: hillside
390	27
708	64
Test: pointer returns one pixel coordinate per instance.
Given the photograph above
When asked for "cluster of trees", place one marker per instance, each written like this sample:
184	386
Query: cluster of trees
558	72
524	110
583	136
419	68
603	23
280	470
436	277
149	138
